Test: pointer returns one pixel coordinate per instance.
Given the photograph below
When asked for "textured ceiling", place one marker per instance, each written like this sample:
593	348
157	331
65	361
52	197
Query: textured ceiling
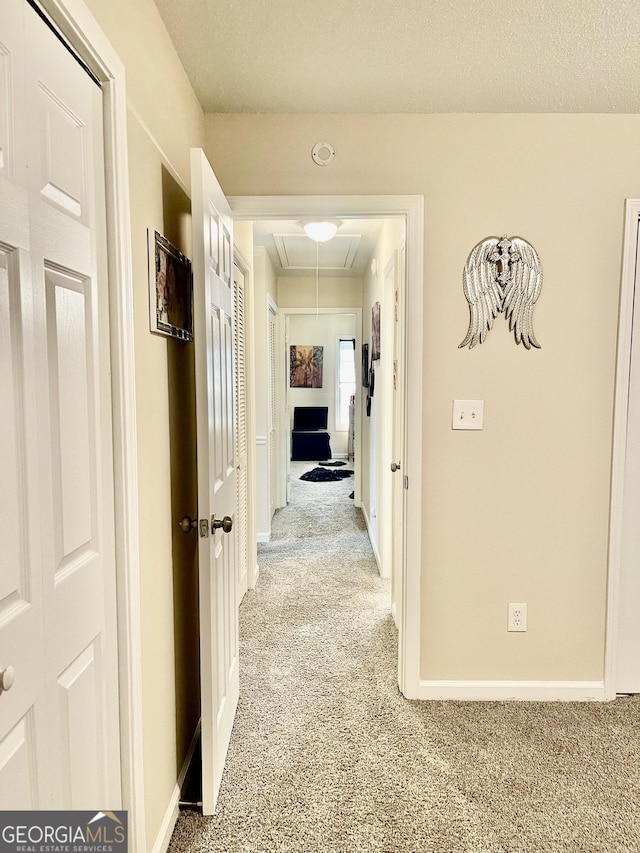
409	56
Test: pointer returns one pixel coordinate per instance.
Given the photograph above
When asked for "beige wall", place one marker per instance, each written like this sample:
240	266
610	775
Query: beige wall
519	511
164	121
299	291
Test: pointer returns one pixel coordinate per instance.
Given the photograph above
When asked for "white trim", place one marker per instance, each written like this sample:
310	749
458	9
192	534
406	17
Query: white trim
371	539
621	407
79	27
172	812
520	691
262	539
168	823
261	441
411	208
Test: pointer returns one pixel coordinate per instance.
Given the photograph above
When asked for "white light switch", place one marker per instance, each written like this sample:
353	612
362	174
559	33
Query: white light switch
468	414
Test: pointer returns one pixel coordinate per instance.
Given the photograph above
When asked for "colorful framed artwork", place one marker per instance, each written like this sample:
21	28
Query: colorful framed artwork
170	289
305	366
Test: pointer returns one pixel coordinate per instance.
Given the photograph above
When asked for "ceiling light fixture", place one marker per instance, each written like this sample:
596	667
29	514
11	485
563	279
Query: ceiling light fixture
321	231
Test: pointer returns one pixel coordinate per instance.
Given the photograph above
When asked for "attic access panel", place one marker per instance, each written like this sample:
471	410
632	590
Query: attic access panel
298	252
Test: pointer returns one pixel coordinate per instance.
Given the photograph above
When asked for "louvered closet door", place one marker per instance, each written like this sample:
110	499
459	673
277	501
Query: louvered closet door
241	428
59	726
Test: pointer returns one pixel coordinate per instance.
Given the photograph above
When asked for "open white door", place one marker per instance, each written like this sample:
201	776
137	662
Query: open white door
397	480
217	498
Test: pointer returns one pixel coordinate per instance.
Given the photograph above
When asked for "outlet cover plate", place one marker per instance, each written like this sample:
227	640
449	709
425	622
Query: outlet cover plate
468	414
517	617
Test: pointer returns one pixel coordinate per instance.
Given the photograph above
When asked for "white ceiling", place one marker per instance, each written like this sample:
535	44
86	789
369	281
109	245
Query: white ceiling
409	56
349	253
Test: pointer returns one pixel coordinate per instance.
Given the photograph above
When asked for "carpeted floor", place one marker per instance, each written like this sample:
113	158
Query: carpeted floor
327	756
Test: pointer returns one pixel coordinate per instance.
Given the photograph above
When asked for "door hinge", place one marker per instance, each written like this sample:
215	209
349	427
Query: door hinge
406	482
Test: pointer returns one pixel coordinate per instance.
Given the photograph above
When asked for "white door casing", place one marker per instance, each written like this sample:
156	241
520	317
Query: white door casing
274	361
622	667
285	420
217	495
59	724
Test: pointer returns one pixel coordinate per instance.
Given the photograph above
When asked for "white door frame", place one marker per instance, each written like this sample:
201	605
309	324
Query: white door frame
620	429
411	207
80	29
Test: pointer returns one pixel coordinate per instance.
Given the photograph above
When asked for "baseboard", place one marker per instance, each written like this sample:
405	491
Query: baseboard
167	826
373	544
521	691
263	538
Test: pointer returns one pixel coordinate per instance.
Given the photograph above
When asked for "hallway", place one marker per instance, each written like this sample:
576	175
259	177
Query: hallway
327	756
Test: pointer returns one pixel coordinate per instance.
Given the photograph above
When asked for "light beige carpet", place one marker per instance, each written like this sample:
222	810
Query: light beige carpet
327	756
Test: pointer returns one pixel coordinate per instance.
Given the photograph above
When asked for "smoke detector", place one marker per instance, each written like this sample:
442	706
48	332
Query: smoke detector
323	153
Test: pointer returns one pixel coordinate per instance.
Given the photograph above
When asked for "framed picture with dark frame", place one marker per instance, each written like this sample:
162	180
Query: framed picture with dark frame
375	332
365	365
170	289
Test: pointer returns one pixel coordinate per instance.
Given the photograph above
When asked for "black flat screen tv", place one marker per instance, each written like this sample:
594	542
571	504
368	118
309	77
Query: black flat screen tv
308	418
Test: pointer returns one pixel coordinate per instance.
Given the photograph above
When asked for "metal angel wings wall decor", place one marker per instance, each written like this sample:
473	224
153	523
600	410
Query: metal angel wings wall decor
502	275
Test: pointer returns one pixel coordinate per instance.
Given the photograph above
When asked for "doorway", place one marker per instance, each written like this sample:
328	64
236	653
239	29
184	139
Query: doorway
410	210
328	332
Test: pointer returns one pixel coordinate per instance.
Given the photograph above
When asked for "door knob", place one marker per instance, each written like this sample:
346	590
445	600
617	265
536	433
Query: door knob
187	523
225	523
7	677
395	466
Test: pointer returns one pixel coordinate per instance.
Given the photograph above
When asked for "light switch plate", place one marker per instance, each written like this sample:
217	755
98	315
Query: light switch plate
468	414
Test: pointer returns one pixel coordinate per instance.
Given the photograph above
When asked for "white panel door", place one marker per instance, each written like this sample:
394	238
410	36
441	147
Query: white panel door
59	726
217	491
397	454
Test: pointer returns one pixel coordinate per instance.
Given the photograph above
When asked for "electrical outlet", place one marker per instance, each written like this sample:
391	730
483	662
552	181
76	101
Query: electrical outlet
517	620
